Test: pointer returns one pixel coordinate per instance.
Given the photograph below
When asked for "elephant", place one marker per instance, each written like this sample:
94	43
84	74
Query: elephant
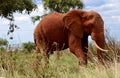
70	30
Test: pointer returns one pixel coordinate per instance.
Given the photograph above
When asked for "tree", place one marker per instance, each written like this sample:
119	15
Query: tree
9	7
3	44
61	6
28	47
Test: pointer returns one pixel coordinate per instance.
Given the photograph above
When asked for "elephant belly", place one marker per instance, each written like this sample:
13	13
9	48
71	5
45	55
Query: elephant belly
58	39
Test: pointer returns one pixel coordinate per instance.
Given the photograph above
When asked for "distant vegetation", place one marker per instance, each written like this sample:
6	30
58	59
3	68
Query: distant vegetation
28	47
3	44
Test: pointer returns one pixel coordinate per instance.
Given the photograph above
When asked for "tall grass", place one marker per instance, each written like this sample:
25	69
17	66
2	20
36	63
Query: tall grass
19	64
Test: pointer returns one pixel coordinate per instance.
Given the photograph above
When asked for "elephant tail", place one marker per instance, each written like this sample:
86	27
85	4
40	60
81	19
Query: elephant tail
36	42
39	38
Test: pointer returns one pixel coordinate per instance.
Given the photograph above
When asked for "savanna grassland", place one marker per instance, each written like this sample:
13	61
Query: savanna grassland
21	64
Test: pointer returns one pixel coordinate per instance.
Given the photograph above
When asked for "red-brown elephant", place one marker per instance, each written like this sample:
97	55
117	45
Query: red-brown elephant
70	30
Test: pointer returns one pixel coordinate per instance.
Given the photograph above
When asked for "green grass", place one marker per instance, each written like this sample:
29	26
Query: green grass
22	65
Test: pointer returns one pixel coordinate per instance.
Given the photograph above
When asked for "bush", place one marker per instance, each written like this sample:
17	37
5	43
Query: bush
3	44
28	47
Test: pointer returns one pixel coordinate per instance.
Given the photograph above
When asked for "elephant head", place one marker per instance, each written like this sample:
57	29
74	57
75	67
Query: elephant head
82	22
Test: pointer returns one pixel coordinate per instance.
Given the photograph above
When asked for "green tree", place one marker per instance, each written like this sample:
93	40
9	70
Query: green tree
61	6
9	7
28	47
3	44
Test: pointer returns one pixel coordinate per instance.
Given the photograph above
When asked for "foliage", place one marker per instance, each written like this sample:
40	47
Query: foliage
61	6
8	7
3	42
28	47
36	18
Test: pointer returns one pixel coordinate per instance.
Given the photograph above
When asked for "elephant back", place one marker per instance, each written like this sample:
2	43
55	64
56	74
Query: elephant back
51	28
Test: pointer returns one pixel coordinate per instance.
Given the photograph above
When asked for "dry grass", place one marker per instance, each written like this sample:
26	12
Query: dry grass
21	65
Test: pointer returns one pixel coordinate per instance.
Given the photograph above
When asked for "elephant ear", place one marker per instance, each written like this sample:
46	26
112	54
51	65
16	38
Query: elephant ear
73	22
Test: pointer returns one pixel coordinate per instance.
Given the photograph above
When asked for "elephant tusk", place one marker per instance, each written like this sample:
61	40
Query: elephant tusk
99	47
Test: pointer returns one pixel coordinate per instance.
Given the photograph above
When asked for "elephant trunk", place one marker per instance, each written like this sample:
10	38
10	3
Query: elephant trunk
99	47
99	41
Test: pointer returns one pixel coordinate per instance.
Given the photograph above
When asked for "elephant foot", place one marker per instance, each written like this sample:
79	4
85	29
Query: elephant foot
83	63
36	64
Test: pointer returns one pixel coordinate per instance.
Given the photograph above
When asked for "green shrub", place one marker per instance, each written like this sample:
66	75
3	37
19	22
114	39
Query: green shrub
28	47
3	44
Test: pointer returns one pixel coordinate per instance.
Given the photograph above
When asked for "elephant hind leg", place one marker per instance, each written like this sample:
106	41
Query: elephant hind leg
37	44
39	50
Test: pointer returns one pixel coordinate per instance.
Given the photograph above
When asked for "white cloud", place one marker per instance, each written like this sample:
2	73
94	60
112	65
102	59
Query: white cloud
38	11
21	18
3	22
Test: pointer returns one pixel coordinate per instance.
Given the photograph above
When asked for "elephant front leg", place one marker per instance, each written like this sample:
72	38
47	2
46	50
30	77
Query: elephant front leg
75	46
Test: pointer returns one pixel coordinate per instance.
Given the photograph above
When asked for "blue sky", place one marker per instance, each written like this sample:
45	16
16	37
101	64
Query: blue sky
109	10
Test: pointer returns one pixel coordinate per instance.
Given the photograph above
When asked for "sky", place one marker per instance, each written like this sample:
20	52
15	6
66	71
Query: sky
108	9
